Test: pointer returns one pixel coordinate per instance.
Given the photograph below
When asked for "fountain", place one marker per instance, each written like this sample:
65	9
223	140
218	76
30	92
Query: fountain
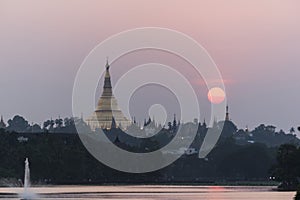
26	176
27	194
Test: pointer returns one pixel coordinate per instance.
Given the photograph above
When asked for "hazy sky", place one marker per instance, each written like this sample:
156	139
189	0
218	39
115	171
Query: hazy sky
255	44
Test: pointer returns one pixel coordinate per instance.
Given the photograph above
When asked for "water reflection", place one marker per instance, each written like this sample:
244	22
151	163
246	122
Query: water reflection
153	193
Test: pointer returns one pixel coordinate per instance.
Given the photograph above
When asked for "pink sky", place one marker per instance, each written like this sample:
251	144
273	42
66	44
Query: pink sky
255	44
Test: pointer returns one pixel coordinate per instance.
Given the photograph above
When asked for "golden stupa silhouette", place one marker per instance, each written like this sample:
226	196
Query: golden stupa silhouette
107	114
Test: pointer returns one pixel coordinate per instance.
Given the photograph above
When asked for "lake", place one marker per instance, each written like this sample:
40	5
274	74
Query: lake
152	192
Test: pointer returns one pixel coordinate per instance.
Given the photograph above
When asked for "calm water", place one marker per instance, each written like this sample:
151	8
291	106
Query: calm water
152	192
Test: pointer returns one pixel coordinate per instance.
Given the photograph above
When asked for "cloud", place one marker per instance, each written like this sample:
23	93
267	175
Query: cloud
201	82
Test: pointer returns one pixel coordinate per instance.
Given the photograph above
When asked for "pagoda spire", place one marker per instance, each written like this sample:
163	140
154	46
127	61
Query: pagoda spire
227	114
107	65
107	114
174	123
107	88
2	123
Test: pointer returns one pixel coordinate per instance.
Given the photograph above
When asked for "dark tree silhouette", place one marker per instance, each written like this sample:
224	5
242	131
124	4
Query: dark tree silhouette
36	128
287	169
59	122
292	130
170	126
46	124
297	197
18	124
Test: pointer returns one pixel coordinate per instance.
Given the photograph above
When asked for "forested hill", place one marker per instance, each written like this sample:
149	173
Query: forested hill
59	158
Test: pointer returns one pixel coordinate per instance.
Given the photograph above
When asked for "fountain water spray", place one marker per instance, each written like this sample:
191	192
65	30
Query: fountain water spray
27	194
26	176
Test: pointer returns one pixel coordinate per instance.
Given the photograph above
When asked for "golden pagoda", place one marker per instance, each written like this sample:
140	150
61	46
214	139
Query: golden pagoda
107	113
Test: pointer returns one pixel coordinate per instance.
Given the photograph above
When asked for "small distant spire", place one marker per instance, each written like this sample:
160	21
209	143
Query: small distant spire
227	113
204	123
148	122
113	123
2	123
107	65
174	121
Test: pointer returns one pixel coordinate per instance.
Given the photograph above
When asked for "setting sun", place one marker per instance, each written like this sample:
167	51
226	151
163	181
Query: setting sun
216	95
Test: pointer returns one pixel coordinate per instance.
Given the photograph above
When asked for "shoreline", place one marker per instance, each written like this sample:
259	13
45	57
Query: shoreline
233	183
146	192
